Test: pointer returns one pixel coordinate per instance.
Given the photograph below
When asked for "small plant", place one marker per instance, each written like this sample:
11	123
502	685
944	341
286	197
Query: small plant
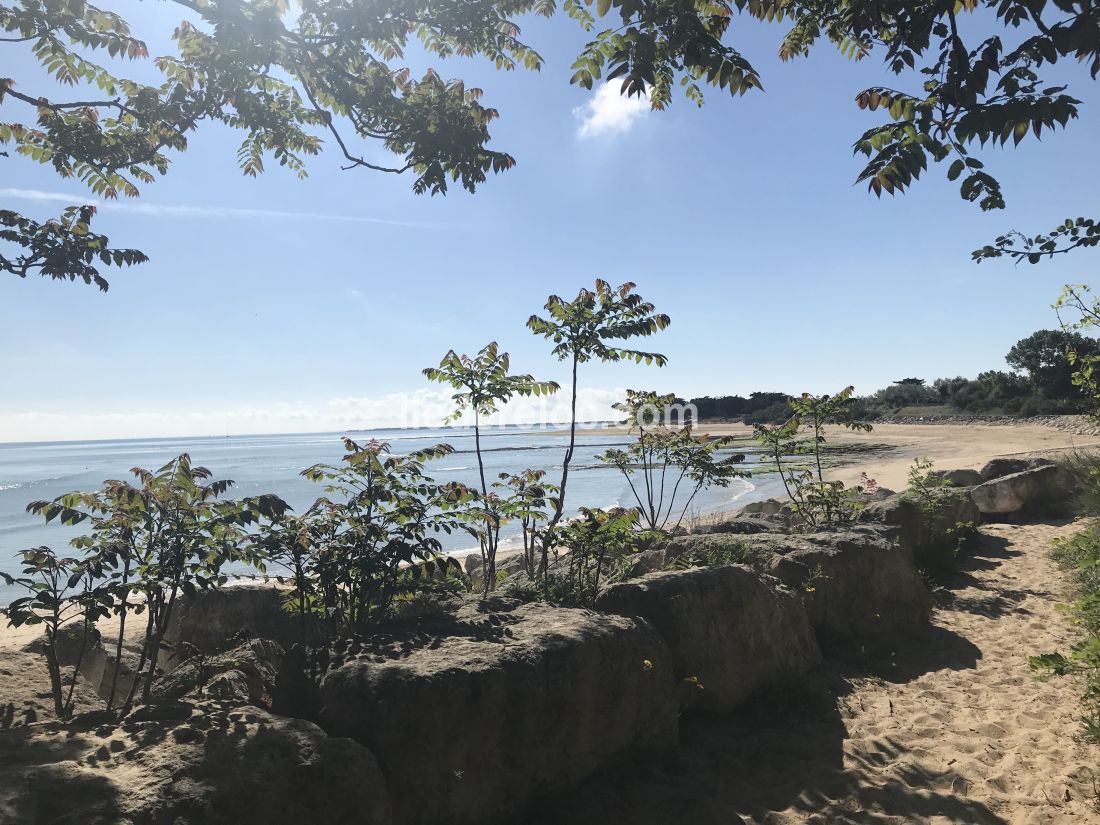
483	383
814	499
596	540
665	458
528	500
62	593
718	554
934	496
1080	556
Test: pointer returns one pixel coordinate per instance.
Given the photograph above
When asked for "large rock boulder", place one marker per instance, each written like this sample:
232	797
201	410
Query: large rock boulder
1041	490
930	532
1000	467
185	762
246	674
473	719
766	507
739	525
855	584
216	620
960	478
731	631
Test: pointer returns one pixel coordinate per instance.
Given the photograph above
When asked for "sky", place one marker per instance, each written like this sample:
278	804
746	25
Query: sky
281	305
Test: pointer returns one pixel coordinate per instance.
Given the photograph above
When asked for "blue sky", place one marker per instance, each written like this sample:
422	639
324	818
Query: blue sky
283	305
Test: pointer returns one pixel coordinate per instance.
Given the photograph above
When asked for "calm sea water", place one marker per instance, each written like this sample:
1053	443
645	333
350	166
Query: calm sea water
273	463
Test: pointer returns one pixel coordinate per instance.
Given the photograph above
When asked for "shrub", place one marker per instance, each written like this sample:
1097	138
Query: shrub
813	498
934	496
360	546
718	554
597	541
1083	471
665	459
1080	555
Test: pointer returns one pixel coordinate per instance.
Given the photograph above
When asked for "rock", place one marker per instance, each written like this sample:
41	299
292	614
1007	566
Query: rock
855	584
205	762
740	525
731	631
960	478
246	674
72	645
708	550
767	507
473	720
298	683
1042	490
646	561
215	620
931	537
1000	467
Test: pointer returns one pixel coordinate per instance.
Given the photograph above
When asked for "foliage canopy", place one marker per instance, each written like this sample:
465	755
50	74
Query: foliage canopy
292	75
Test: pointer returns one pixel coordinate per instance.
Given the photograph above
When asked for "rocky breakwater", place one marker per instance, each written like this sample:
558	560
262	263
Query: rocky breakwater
1033	487
731	631
187	762
475	714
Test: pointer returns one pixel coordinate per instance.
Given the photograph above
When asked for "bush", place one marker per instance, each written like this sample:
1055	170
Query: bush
719	554
1083	472
1080	555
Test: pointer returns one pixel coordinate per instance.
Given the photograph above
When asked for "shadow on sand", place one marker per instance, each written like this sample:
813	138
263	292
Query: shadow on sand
785	758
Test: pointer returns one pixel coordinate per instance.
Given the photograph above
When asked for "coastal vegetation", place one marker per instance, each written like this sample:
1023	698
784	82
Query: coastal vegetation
663	457
148	543
291	76
1079	556
814	499
1048	377
482	383
372	539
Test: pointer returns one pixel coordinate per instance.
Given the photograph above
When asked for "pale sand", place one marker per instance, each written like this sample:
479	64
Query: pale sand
951	728
949	446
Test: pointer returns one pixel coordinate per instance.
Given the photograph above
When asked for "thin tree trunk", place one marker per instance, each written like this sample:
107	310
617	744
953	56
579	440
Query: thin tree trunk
79	661
548	534
55	672
150	606
121	633
489	557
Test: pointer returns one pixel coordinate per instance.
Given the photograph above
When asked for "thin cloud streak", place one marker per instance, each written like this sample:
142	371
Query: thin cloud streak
201	212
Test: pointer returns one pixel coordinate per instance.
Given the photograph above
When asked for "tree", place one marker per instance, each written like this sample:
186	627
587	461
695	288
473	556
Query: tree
665	457
386	518
168	536
483	382
1043	355
292	75
590	327
529	500
813	498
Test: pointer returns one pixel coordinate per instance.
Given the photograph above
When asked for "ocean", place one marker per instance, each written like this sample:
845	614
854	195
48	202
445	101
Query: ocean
273	463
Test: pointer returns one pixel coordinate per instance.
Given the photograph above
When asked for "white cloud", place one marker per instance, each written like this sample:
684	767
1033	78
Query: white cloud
419	408
608	112
205	212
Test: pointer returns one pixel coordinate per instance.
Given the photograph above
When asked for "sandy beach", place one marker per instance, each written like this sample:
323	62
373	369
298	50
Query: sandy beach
948	446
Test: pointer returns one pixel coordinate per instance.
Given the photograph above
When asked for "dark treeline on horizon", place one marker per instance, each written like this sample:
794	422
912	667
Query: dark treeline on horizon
1041	382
